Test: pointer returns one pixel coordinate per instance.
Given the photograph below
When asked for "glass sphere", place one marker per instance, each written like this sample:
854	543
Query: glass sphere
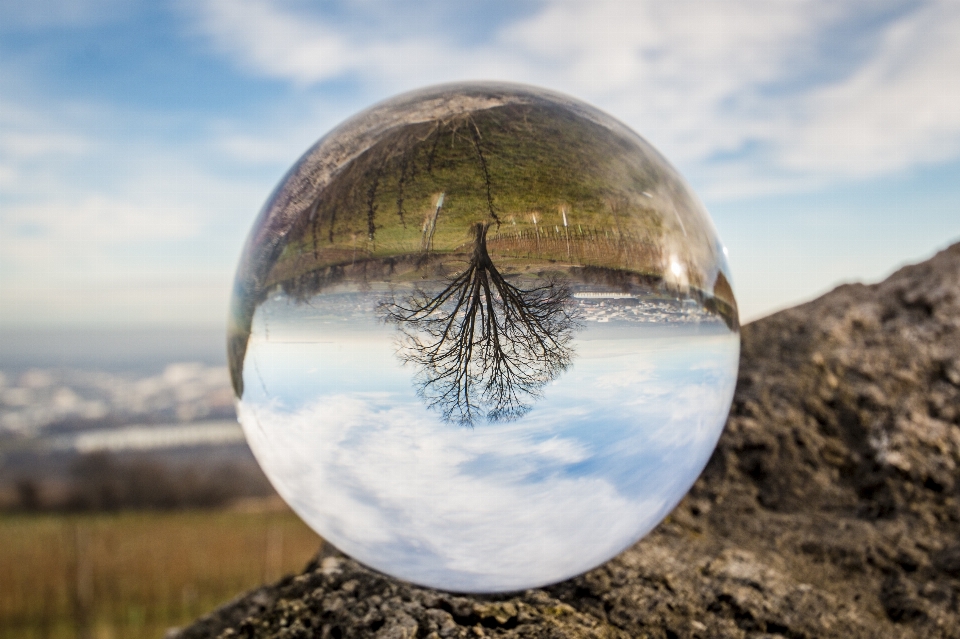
483	337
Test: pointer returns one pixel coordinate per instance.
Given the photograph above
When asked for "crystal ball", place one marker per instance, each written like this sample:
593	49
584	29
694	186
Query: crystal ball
483	337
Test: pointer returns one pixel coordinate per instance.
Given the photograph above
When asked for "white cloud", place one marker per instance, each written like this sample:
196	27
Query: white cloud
278	41
669	67
761	96
482	509
8	175
97	219
31	135
682	416
98	225
902	106
76	208
38	144
266	38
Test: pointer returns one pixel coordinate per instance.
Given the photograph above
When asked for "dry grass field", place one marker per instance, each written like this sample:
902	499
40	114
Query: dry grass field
136	574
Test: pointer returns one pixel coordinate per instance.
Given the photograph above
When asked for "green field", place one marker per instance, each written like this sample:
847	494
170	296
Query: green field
136	574
521	167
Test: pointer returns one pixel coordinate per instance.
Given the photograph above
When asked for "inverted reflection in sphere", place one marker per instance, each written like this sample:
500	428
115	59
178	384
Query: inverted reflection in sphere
483	337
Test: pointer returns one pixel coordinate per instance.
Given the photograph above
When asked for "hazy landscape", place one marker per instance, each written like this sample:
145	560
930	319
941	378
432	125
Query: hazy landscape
129	501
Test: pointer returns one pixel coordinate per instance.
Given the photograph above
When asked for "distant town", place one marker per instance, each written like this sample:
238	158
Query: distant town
85	439
591	305
612	307
59	402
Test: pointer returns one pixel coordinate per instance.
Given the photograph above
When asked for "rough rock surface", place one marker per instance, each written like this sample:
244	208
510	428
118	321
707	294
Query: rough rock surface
829	509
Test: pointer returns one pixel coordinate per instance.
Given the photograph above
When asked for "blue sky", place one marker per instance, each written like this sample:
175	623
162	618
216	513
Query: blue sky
138	140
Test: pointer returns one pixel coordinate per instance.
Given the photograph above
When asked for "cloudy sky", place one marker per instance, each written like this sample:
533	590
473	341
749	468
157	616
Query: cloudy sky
138	140
607	451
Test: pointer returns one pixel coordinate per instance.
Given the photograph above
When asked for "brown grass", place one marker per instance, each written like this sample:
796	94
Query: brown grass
137	574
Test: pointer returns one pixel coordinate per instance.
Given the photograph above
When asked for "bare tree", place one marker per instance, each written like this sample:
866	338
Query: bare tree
484	347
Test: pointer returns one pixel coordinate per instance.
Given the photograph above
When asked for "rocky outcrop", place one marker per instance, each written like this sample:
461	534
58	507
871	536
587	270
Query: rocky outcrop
829	509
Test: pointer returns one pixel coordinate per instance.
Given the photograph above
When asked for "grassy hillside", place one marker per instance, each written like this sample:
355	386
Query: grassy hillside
521	167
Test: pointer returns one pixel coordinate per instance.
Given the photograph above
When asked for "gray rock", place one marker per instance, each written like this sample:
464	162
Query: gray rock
831	507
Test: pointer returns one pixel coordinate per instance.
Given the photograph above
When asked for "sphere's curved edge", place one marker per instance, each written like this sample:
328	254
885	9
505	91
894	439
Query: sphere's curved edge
299	193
